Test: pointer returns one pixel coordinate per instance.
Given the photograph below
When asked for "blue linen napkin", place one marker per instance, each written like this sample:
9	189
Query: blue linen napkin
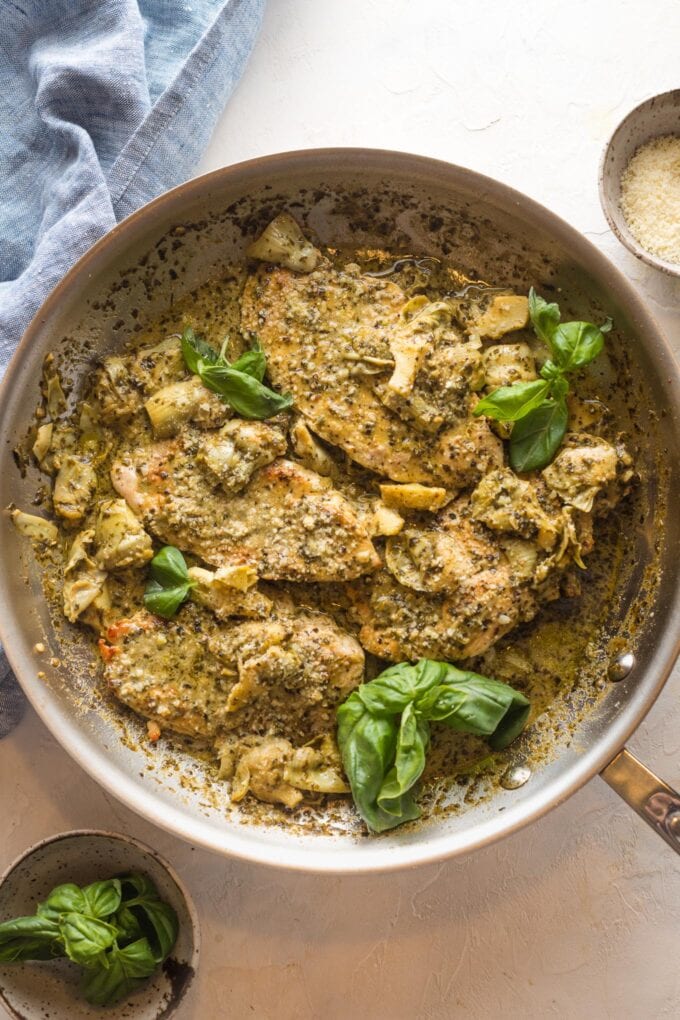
104	104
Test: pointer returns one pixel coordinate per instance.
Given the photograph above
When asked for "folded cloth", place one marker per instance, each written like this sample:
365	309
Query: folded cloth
104	104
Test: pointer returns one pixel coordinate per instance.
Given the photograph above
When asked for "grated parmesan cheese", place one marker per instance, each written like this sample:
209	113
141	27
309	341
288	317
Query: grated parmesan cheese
650	197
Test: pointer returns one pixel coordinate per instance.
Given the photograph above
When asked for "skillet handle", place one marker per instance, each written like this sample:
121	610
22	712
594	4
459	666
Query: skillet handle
654	800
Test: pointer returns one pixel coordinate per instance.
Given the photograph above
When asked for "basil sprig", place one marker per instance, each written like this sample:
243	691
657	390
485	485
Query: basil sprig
384	732
168	585
238	383
119	930
539	408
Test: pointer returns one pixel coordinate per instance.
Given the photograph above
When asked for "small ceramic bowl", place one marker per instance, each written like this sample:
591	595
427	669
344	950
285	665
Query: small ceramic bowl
657	116
48	990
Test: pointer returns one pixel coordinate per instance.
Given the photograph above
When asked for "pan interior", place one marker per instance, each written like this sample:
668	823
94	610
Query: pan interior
405	205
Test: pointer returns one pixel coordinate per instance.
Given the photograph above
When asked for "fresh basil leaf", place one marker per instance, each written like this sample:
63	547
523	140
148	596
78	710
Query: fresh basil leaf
86	938
124	972
127	923
42	910
169	567
29	949
576	344
135	885
102	898
559	387
471	703
247	395
392	691
165	601
158	922
384	757
156	919
252	362
550	371
536	438
545	317
367	746
169	585
510	403
194	348
395	795
64	899
240	384
29	938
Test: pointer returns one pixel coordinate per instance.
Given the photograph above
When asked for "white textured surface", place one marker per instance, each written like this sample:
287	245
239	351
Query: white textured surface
579	915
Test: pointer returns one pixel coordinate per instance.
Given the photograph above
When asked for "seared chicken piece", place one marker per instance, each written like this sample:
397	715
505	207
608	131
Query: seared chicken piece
289	523
451	589
158	668
284	675
293	669
326	335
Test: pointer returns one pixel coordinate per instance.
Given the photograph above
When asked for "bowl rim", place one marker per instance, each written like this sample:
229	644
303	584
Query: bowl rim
384	858
624	235
147	850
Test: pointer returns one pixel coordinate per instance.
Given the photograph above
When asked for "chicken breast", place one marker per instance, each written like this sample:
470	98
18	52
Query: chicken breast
158	668
281	676
451	588
288	523
391	388
293	670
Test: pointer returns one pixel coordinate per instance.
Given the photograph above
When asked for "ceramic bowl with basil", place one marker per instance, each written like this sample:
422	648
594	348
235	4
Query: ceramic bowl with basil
94	924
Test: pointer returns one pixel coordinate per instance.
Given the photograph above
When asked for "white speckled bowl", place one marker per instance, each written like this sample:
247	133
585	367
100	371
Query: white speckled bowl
657	116
49	990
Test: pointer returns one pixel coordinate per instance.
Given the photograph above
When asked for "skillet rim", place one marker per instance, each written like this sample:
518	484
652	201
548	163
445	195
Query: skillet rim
374	855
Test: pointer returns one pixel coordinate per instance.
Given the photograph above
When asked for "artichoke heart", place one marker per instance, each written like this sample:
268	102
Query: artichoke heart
180	402
506	313
316	767
121	540
413	496
74	487
585	466
229	592
83	579
284	244
507	364
505	502
38	529
260	771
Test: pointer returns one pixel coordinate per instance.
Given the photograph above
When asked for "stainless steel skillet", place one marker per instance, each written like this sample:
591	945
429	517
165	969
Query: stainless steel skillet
353	198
